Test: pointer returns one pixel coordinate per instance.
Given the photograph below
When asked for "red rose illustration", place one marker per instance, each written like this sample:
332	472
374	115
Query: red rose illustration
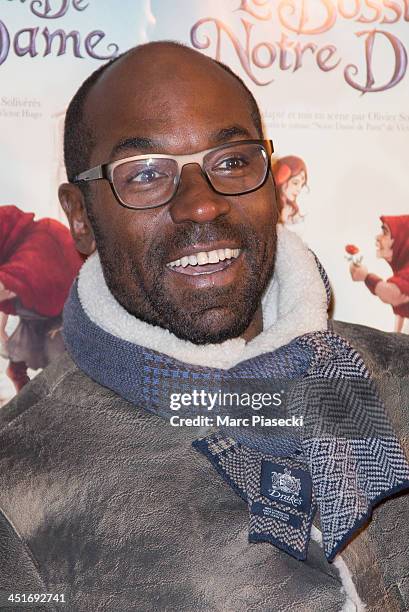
351	249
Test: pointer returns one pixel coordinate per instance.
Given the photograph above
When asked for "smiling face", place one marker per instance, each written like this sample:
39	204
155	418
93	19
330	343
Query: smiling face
176	101
292	188
384	244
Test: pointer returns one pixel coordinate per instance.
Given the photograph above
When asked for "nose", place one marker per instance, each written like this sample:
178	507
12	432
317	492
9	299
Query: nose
195	199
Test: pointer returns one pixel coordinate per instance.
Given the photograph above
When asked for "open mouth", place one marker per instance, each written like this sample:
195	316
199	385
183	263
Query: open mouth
205	262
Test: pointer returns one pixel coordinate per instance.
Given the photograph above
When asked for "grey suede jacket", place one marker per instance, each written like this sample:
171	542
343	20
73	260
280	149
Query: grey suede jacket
112	507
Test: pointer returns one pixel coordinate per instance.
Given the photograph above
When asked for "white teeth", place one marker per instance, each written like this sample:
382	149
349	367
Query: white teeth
192	260
213	256
202	258
205	257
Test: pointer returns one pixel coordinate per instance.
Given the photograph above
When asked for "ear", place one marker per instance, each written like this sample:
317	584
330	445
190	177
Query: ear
73	204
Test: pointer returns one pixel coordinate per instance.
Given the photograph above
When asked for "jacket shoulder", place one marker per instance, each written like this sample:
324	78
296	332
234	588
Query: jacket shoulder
383	352
37	389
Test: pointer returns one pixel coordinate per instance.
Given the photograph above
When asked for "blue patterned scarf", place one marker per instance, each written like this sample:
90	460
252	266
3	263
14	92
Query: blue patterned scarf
342	461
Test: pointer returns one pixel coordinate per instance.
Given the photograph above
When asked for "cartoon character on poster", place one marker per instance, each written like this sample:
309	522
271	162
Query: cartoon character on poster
392	245
38	263
290	176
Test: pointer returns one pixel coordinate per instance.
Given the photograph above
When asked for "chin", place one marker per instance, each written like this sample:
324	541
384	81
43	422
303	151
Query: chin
382	254
214	328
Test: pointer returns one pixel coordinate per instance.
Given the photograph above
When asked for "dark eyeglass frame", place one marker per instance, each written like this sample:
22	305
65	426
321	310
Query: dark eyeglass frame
106	171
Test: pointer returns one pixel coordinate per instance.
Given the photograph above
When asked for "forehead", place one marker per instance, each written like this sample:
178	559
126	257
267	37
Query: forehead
178	99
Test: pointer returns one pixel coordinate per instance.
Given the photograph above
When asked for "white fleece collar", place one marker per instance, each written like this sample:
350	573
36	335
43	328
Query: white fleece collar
294	303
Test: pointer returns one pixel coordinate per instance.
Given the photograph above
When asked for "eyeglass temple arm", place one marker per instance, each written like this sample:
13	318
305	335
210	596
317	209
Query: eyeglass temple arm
90	175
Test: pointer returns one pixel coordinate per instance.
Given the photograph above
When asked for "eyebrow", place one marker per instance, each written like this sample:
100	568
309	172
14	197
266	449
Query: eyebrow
135	143
141	143
230	132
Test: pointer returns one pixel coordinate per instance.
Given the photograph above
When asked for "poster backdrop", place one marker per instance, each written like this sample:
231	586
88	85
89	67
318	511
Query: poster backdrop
330	77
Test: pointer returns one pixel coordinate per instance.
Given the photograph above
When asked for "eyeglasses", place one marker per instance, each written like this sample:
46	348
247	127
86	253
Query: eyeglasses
148	181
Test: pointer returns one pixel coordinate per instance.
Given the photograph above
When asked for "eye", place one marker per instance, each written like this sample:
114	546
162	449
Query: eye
149	175
232	163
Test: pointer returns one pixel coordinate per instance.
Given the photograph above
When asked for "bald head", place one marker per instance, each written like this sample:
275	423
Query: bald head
145	72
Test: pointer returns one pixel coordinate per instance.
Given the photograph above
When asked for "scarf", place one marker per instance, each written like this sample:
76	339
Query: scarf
342	460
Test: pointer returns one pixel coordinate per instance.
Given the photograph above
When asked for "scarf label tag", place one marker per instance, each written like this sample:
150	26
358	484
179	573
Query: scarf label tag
281	503
270	512
289	486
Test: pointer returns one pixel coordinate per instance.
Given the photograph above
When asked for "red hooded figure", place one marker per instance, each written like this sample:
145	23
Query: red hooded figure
392	246
399	227
38	263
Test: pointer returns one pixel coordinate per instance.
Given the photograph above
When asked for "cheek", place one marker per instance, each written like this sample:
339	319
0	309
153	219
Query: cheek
259	210
269	202
124	230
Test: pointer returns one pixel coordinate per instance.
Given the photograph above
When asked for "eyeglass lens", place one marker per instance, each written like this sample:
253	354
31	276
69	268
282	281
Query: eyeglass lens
153	181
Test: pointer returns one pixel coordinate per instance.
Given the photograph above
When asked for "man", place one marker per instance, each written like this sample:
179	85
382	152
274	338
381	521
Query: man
189	284
392	246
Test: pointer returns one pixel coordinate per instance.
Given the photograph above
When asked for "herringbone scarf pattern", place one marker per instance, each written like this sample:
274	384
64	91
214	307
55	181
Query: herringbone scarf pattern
345	458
